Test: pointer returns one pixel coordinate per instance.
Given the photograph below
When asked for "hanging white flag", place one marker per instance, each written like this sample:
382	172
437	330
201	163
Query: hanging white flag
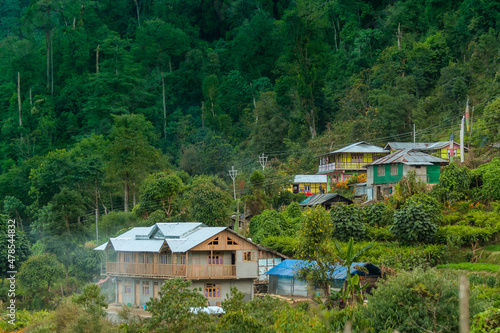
462	134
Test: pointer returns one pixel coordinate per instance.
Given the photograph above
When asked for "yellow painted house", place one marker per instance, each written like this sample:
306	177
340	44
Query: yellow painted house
342	164
439	149
309	184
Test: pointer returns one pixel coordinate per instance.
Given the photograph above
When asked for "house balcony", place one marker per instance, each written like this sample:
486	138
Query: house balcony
166	271
342	166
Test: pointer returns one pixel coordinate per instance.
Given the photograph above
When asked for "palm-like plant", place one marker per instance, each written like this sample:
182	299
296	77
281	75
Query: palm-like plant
347	259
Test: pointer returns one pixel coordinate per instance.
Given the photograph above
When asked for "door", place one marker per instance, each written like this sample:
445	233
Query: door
295	188
155	289
137	293
119	293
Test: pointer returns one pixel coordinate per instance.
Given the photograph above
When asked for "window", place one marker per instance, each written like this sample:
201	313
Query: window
182	259
127	257
128	287
144	258
215	241
145	287
231	242
307	188
357	158
216	259
394	169
163	258
212	290
248	256
381	170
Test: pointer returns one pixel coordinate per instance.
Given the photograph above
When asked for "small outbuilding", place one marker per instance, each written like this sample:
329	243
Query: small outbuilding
282	279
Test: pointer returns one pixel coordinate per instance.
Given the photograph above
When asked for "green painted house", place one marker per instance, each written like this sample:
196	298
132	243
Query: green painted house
383	174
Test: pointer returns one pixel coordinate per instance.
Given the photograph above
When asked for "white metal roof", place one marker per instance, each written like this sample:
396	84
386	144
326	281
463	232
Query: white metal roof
360	147
409	157
310	179
180	237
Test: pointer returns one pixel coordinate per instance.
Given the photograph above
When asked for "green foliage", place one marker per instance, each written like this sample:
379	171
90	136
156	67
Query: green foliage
92	300
282	244
171	311
408	186
18	246
476	267
414	222
316	228
348	222
379	234
454	184
290	319
233	302
115	222
210	204
464	234
486	321
25	318
378	214
160	191
39	273
418	300
489	173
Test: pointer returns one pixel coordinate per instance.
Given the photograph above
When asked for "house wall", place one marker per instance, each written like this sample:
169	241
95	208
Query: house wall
433	174
314	187
243	285
247	269
387	178
443	153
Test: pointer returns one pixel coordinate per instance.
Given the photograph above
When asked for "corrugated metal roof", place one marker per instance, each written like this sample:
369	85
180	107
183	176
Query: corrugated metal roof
419	145
320	198
360	147
180	237
136	245
310	179
409	157
193	239
289	267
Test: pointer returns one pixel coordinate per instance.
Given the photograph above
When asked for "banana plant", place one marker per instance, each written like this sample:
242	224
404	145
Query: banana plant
346	259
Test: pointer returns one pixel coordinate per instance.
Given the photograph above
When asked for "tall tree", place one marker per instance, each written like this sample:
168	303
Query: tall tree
130	155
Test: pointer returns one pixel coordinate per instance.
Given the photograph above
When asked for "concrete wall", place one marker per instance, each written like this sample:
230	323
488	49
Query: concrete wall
247	269
244	285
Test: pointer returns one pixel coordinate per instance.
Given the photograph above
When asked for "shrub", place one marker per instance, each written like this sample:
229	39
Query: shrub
468	266
454	184
378	214
416	301
283	244
486	321
413	223
348	222
463	234
379	234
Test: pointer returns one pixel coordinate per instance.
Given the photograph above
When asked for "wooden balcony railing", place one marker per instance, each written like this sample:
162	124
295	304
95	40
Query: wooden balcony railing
167	270
343	166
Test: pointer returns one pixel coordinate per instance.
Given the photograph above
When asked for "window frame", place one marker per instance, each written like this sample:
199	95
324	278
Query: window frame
394	169
216	258
248	256
127	287
381	170
145	288
212	290
128	257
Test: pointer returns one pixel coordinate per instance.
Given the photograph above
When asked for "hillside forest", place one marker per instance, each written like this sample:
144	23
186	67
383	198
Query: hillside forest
116	114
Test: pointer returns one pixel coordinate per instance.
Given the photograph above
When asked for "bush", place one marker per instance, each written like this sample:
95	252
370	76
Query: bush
379	234
348	222
416	301
454	184
486	321
468	266
283	244
463	234
414	223
378	214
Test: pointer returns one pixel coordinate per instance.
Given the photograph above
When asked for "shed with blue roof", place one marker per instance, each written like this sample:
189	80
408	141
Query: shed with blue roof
282	279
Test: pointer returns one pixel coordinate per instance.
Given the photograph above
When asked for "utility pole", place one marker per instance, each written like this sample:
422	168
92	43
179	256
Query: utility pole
233	173
263	161
414	137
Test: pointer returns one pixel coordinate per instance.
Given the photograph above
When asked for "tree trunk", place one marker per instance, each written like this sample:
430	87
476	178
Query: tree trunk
19	98
202	114
400	36
51	65
66	220
31	99
125	196
97	60
47	46
164	104
170	64
138	12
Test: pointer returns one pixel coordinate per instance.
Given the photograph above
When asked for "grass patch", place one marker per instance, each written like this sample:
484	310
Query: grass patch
467	266
493	248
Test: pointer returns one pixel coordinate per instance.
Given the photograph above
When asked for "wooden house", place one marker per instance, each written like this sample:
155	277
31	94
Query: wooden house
342	164
213	258
386	172
309	184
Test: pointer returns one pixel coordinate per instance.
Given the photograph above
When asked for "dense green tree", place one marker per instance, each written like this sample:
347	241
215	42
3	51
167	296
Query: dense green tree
159	191
130	154
210	204
39	273
15	250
